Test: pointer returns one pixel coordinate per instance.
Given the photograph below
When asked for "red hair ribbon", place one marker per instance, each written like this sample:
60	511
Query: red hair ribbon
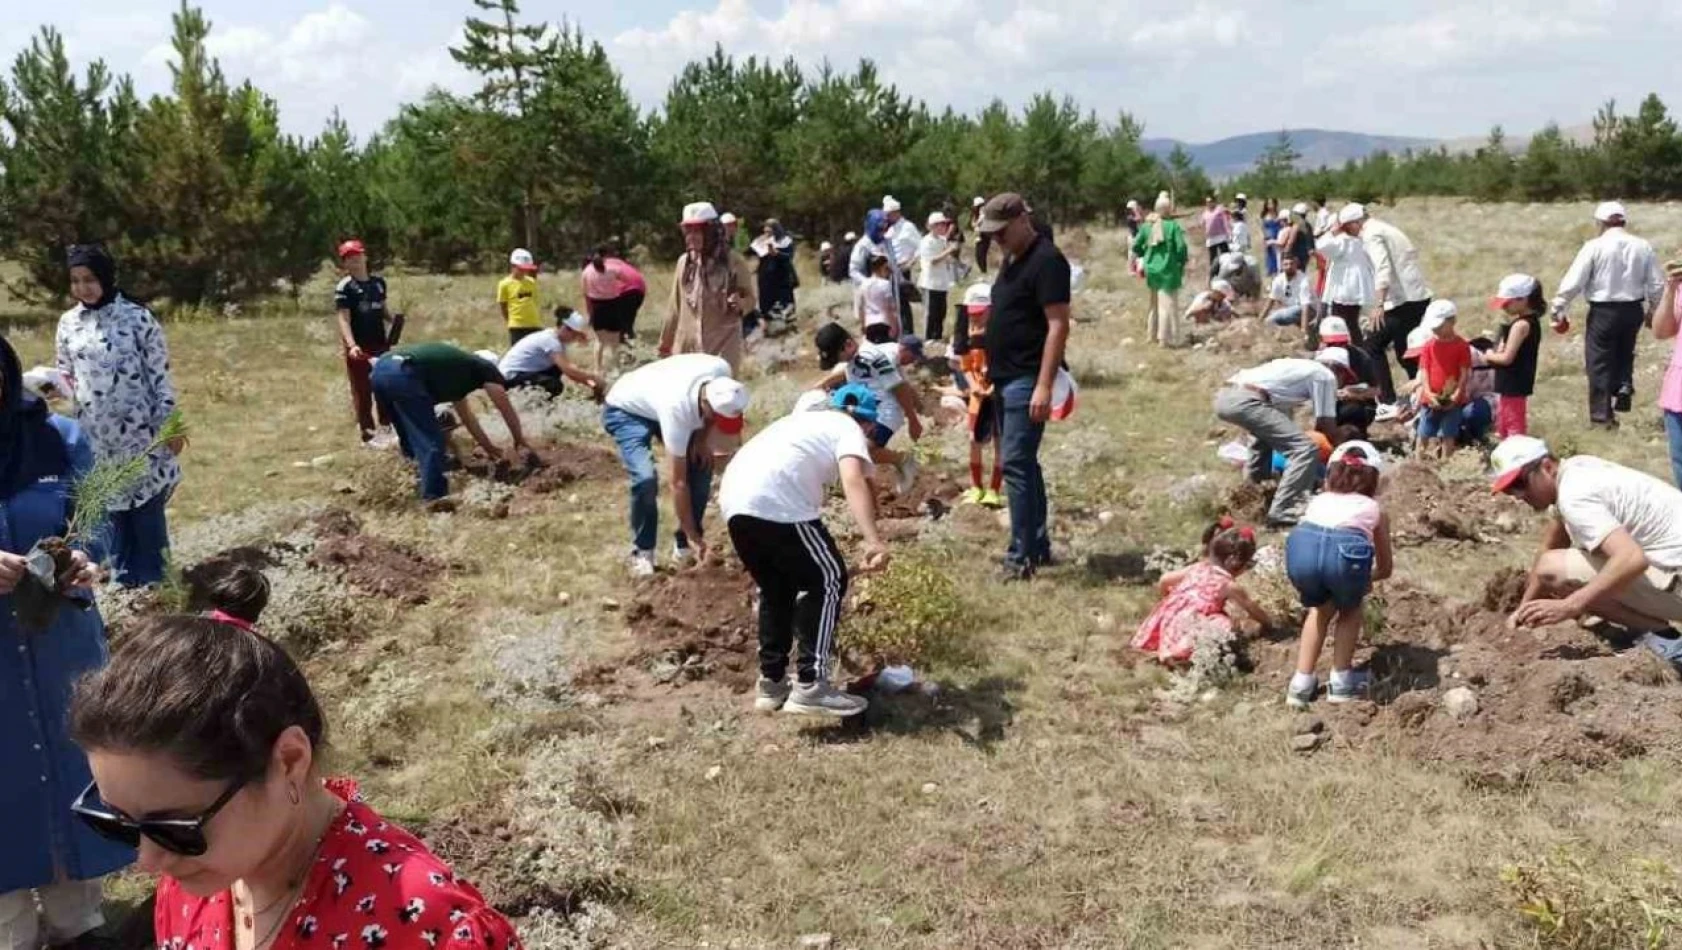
1226	523
1247	533
222	616
1353	460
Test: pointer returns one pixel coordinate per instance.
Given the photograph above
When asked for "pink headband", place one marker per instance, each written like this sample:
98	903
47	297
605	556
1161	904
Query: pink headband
222	616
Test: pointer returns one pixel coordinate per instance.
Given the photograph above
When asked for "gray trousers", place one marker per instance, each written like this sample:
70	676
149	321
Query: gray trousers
1274	431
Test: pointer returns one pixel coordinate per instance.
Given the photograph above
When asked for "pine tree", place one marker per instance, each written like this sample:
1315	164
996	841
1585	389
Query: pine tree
1275	166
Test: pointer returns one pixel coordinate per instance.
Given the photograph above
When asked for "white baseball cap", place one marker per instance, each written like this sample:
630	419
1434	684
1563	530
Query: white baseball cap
1221	287
812	399
1299	208
522	259
1607	210
825	246
1241	197
699	212
1369	454
726	218
1333	356
978	296
1352	212
850	236
978	202
576	322
1437	314
1418	337
1334	330
1513	287
890	203
728	399
1509	460
937	217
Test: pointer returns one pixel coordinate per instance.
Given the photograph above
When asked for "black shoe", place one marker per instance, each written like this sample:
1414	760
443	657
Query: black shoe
1011	571
1622	401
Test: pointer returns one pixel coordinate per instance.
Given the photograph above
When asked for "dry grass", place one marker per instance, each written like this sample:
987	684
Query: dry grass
1048	798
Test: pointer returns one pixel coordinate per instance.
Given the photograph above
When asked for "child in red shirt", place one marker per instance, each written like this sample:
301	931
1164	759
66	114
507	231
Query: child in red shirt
1444	369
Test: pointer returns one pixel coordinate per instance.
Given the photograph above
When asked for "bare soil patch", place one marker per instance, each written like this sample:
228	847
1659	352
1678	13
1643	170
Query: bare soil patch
691	625
932	496
1425	507
370	564
560	466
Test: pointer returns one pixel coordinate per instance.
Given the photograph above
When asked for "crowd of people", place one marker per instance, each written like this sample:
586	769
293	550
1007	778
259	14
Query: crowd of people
197	749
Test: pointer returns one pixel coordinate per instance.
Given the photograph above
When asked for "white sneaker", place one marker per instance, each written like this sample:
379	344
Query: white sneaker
770	696
682	557
642	563
822	699
906	476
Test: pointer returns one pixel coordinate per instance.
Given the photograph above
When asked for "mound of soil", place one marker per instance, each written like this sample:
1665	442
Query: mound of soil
1505	590
372	565
1249	501
1555	697
1423	507
697	624
932	496
560	465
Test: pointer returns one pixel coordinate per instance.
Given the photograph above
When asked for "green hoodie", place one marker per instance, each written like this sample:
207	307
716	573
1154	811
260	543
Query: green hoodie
1165	262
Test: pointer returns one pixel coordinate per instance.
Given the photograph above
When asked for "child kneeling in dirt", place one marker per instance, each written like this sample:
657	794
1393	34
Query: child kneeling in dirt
1195	599
876	366
1332	559
772	499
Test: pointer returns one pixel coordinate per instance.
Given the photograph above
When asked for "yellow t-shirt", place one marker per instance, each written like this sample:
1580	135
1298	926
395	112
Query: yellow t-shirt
520	294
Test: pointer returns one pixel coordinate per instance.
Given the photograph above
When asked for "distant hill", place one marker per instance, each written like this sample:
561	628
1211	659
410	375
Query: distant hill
1319	148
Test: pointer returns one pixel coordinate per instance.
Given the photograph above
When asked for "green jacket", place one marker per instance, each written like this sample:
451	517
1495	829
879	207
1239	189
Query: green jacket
1165	263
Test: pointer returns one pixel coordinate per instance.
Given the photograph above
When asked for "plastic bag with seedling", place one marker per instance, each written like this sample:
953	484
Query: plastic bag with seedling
50	574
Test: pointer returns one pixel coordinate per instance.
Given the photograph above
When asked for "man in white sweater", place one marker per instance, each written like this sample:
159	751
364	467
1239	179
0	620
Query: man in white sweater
1620	275
1402	296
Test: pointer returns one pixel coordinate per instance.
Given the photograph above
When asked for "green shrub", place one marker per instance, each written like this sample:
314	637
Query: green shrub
1571	907
910	613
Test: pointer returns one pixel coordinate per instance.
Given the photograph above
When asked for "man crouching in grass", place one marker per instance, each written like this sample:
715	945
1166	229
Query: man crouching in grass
410	380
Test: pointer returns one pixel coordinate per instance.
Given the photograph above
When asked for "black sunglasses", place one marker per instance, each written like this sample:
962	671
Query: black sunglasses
183	836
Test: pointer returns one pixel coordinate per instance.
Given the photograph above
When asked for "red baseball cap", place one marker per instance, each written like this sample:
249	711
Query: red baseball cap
350	247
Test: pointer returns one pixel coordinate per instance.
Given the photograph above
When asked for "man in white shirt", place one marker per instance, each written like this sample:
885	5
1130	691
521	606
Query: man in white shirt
1289	303
1260	402
772	500
540	359
682	400
1620	275
1350	281
937	254
1402	295
1613	548
903	240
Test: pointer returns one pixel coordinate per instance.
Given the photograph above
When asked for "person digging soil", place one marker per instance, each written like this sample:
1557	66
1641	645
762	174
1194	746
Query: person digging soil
772	497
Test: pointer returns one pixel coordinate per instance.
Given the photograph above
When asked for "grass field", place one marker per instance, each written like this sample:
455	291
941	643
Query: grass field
1057	793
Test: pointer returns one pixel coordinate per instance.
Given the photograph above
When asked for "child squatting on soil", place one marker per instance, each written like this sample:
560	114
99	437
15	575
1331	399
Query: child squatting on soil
1445	366
1195	598
969	372
1332	559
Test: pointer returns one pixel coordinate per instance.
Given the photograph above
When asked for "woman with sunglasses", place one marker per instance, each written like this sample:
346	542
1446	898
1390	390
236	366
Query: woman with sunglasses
205	742
47	855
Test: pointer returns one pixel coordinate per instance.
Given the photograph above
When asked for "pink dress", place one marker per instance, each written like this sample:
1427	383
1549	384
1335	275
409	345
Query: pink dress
1197	603
1670	394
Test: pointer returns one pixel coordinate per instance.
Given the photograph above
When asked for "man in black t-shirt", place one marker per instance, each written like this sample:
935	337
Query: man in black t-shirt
1025	339
364	330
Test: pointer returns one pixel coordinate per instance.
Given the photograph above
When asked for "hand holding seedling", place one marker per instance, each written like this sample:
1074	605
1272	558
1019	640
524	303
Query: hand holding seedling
12	567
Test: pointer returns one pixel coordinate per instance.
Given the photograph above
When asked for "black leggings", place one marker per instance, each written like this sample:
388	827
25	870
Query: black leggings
934	314
802	579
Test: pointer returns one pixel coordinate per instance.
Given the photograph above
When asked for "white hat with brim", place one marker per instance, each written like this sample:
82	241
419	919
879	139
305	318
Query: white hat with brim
890	203
728	399
1335	356
576	322
1221	287
699	212
1513	287
1510	459
726	218
937	217
522	259
1437	314
978	296
1607	211
1334	331
1418	338
1351	213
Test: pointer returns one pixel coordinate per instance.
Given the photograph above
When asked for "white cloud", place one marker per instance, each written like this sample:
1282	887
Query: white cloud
1469	37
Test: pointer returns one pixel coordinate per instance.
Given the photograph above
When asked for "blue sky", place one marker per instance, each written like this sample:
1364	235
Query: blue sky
1194	69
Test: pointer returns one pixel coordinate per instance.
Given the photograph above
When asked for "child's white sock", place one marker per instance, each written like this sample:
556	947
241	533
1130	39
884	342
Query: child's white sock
1301	682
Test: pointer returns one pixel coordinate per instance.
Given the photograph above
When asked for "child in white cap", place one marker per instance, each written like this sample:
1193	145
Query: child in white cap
1445	366
1518	343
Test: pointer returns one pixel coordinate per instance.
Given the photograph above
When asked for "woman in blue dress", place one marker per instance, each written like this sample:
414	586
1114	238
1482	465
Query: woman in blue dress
48	855
1271	226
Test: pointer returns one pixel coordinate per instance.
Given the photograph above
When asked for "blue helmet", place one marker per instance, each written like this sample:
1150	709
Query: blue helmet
856	400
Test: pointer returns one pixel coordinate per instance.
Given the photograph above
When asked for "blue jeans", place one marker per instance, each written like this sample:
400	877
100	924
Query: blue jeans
1329	565
1476	420
1440	423
1286	317
635	437
408	405
1673	431
137	542
1030	535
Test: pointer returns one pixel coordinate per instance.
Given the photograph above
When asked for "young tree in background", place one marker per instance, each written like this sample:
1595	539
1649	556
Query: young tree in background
507	55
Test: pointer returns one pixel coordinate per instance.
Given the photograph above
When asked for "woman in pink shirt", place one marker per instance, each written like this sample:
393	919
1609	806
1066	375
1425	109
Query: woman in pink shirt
1217	232
613	293
1666	320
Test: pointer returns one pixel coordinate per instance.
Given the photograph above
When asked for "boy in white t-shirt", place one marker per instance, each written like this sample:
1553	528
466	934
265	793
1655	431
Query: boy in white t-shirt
874	302
1613	548
772	500
540	359
1289	302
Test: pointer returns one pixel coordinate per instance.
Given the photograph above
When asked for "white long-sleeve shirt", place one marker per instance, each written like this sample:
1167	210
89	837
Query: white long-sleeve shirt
1351	279
1615	267
1395	264
904	238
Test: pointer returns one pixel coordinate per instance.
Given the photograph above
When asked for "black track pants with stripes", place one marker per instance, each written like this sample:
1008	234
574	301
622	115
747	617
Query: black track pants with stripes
801	578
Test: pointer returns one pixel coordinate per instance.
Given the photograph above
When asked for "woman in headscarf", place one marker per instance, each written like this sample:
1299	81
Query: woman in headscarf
49	857
777	279
613	293
1161	246
710	291
113	351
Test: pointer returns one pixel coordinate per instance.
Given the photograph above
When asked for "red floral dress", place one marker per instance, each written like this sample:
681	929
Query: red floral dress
1197	603
373	885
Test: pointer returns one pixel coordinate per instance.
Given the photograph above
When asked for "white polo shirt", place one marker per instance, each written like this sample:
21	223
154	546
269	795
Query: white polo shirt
782	474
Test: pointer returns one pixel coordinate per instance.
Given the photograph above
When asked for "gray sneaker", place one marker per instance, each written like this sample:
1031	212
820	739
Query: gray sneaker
1352	690
1302	699
822	699
770	695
